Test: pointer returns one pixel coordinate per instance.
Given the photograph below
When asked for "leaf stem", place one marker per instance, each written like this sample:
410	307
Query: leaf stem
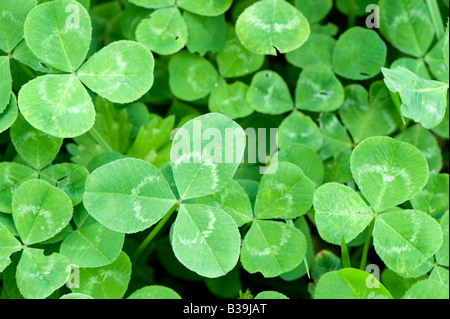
439	27
99	139
367	245
344	254
154	232
351	13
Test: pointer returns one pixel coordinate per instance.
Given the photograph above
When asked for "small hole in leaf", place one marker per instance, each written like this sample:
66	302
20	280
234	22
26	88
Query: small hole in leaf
324	93
267	75
364	73
177	37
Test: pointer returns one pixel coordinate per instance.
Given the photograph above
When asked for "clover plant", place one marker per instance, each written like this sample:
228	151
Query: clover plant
266	149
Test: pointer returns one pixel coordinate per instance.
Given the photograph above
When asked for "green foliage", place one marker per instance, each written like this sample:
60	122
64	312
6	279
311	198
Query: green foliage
254	149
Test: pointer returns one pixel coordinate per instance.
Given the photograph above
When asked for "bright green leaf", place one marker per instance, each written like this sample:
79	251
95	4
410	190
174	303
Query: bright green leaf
317	50
65	107
128	195
442	254
9	114
340	212
92	245
305	158
285	194
270	295
40	211
234	60
59	33
350	283
407	25
314	10
38	276
362	111
318	90
8	245
388	172
205	154
12	17
206	240
233	200
230	100
423	100
205	7
434	198
5	83
269	26
268	93
206	34
108	282
427	144
405	240
272	248
427	289
298	128
359	54
35	147
191	76
68	177
155	292
164	32
122	72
